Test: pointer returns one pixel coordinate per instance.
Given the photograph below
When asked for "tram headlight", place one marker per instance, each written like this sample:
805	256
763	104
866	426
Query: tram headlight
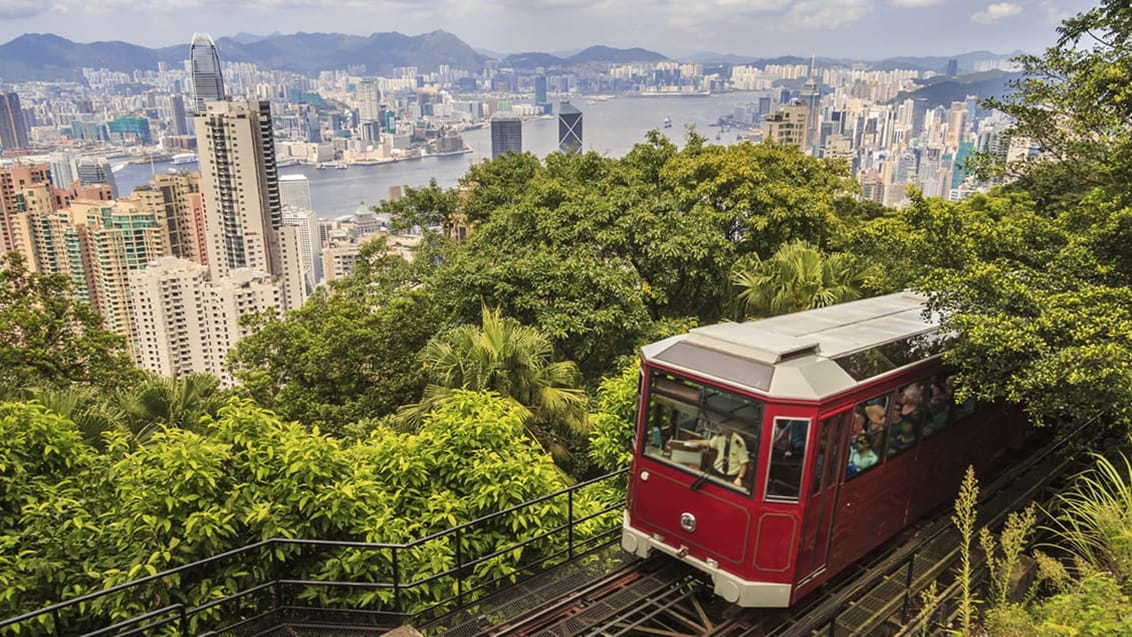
688	522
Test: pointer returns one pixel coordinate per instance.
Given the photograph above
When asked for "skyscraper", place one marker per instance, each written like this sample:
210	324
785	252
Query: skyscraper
240	183
208	83
96	170
540	89
506	136
569	128
295	190
177	115
369	101
13	132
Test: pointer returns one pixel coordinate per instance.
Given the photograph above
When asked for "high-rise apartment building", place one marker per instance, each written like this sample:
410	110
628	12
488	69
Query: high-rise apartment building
788	125
186	322
506	136
14	180
240	183
13	130
204	63
97	244
96	170
171	194
569	128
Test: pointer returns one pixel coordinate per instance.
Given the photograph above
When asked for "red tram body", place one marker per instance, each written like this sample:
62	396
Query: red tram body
772	454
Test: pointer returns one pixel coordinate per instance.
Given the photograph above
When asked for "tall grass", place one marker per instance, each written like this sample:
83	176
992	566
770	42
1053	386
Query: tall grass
1093	518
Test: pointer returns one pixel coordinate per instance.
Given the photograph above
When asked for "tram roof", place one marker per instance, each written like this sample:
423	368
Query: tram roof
808	355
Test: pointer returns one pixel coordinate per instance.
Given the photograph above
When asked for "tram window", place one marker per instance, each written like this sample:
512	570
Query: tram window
908	413
788	453
941	405
703	429
866	448
825	457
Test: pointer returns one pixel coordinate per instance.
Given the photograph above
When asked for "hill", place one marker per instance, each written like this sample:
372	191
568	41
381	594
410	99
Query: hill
942	91
591	55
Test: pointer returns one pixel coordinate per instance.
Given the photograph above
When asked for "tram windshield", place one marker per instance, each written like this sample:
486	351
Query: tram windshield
710	431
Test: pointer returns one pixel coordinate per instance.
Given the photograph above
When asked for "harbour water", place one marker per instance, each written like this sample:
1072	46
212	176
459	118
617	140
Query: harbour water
610	127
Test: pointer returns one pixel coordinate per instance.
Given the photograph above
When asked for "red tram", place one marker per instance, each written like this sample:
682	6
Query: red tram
772	454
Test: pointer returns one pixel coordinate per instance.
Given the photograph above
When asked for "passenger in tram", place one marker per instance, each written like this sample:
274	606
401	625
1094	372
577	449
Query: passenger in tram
789	439
732	461
861	457
910	406
904	436
860	423
939	407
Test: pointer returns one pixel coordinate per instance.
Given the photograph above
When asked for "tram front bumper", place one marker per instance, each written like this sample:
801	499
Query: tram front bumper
727	585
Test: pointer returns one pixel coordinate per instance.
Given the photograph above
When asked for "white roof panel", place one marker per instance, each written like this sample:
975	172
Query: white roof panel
792	355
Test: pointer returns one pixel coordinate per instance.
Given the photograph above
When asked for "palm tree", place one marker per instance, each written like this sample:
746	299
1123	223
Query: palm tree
514	360
165	402
89	409
796	277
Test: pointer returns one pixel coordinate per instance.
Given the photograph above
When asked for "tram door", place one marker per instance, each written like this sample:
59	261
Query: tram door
825	477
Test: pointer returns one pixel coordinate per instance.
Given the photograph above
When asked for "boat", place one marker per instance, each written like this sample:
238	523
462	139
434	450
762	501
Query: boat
668	122
184	158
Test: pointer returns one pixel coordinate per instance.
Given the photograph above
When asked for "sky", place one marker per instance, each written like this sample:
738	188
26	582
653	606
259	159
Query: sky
861	29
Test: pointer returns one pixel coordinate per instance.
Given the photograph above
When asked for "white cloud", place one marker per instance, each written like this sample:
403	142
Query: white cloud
914	3
996	12
16	9
807	15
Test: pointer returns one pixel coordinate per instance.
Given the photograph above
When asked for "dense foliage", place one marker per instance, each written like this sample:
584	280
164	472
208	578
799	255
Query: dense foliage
514	330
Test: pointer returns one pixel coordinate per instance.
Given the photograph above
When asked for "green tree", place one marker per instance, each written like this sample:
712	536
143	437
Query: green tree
515	360
796	277
616	418
47	338
339	358
424	208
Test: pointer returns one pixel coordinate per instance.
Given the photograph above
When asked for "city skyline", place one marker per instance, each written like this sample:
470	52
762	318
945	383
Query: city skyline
865	29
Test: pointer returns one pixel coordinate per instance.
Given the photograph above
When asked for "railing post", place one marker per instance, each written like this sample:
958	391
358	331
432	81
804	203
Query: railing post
396	582
459	570
570	524
833	623
184	621
907	588
56	620
276	587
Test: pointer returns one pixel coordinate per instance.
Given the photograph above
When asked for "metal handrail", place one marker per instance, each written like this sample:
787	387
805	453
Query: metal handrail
274	579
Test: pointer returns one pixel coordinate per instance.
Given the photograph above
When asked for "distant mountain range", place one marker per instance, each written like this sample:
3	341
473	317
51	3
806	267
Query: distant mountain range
35	56
593	54
942	91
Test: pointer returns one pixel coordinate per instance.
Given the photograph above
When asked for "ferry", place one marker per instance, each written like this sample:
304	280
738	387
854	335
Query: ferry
185	158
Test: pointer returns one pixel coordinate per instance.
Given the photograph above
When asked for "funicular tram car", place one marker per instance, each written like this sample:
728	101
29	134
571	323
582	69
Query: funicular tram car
771	454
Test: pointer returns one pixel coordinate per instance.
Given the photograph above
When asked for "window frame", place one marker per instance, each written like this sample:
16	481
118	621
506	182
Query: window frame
802	460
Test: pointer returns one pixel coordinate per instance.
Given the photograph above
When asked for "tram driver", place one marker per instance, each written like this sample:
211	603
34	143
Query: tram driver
732	462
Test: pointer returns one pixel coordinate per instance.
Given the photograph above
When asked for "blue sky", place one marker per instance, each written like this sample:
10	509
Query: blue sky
843	28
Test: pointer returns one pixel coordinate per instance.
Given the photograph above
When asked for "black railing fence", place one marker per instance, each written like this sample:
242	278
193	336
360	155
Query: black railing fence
272	582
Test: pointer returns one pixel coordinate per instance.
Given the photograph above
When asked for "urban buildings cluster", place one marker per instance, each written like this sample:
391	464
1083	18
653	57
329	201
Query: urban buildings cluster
175	265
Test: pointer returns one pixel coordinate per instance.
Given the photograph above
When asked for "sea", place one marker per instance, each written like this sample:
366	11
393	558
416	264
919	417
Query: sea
610	127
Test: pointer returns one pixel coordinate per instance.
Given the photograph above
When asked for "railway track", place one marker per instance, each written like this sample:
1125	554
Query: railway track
661	597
